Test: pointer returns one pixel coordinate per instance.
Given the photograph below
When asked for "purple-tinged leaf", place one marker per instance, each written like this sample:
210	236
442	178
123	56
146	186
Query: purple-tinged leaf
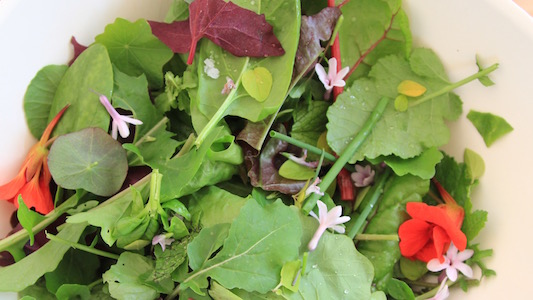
176	35
314	29
78	49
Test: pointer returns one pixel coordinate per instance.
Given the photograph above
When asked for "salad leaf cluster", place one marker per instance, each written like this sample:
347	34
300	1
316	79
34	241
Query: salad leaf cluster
199	201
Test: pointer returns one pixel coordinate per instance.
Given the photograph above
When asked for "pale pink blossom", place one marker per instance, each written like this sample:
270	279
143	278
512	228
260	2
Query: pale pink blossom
331	219
443	292
302	160
119	122
228	86
314	189
453	262
332	78
162	240
363	176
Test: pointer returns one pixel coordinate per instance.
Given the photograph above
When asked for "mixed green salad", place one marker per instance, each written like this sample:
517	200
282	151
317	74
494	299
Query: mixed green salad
282	149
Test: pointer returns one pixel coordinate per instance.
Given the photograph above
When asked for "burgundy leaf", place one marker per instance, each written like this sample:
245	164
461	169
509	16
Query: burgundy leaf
176	35
78	49
263	168
314	29
254	133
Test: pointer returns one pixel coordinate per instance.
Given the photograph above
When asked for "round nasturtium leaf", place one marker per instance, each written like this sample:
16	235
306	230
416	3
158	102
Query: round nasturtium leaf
89	159
258	83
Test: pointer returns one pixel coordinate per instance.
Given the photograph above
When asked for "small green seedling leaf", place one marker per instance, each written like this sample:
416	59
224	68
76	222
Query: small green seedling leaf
292	170
485	80
258	83
401	103
491	127
290	275
89	159
28	218
474	164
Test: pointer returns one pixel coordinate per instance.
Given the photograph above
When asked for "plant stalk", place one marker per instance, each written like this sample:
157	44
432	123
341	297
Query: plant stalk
348	153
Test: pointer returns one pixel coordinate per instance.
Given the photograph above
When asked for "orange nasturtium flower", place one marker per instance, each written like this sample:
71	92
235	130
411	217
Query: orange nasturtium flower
432	228
33	180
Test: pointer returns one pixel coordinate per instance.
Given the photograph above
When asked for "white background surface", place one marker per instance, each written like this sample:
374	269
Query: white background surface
34	33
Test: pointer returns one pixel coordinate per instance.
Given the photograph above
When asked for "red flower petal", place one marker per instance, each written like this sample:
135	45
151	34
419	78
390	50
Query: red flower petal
414	235
441	242
9	191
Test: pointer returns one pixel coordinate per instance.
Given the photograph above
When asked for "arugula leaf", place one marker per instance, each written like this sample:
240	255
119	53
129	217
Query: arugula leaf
77	267
335	269
27	271
207	204
92	71
207	242
39	96
109	212
309	121
258	254
135	50
490	126
166	262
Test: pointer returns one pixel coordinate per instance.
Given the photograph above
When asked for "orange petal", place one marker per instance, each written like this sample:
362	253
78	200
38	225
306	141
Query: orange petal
441	241
10	190
51	125
414	235
427	253
37	194
440	216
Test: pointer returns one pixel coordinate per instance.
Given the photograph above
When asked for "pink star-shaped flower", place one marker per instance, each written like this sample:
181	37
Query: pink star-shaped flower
363	176
453	262
120	122
332	78
326	220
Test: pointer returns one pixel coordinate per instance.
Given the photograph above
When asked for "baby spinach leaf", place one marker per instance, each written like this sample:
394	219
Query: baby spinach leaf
89	159
285	18
135	50
403	134
490	126
92	71
257	254
178	11
125	277
219	292
39	96
291	170
399	289
27	271
387	219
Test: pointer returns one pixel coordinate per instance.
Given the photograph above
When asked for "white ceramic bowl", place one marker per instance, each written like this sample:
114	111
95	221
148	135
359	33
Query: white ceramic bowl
34	33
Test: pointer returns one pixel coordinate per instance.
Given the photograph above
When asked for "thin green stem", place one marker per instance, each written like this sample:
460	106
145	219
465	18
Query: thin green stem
22	235
455	85
374	194
297	143
376	237
222	110
81	247
174	293
348	153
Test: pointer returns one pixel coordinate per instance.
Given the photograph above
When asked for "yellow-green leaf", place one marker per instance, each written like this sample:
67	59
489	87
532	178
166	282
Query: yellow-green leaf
258	83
